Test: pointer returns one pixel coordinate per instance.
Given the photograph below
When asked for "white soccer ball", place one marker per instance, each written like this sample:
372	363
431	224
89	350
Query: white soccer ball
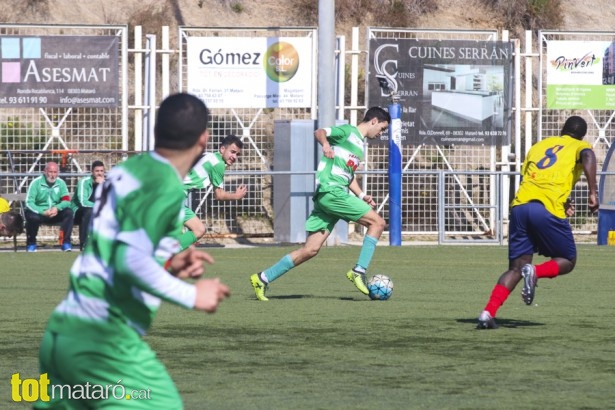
380	287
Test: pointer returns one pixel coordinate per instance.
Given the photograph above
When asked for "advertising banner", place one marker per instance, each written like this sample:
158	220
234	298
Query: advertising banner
59	71
450	91
261	72
580	75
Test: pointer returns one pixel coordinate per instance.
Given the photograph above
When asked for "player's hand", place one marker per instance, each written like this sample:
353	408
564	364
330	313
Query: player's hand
569	208
99	179
592	203
328	152
209	294
189	263
369	200
241	191
51	212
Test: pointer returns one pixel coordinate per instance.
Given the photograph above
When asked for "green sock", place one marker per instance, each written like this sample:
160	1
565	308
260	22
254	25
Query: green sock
186	239
367	251
284	265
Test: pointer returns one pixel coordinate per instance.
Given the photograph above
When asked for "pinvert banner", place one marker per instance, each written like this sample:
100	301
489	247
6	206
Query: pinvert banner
59	71
260	72
450	91
580	75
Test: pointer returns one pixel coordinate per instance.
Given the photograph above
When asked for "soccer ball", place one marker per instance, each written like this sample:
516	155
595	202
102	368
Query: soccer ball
380	287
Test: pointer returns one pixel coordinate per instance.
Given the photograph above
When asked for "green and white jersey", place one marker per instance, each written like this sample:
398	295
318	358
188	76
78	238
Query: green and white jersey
209	170
117	283
336	172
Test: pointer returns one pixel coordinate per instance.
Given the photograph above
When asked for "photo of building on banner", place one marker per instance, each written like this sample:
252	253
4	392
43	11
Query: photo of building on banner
259	72
59	71
451	91
581	75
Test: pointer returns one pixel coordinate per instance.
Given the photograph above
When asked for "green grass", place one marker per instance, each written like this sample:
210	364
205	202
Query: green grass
320	344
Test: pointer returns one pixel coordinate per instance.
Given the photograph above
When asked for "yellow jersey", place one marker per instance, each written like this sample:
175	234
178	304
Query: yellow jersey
4	206
549	172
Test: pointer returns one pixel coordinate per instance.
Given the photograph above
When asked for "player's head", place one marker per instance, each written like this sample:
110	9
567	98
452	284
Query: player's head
98	168
378	113
51	172
377	120
11	224
230	148
575	126
181	121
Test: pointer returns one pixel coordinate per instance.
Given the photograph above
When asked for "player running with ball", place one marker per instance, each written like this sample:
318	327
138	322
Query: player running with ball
342	148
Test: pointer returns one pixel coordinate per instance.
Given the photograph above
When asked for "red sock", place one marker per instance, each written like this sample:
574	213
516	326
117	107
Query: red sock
499	294
549	269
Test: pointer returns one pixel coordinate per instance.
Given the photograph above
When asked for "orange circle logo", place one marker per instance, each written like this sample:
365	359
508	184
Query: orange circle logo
281	62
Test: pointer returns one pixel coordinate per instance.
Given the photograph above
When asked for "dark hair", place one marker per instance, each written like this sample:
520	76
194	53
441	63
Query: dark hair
182	119
13	222
231	139
96	163
575	126
377	112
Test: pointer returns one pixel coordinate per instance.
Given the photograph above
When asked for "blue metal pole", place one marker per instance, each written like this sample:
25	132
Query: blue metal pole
395	175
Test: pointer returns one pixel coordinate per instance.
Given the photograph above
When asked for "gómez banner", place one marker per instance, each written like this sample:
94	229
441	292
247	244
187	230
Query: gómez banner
260	72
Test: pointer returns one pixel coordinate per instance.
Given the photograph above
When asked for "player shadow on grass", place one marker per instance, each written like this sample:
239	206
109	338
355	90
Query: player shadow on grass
344	298
507	323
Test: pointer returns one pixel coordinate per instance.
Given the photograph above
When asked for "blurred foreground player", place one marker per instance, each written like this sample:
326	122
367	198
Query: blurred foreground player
130	263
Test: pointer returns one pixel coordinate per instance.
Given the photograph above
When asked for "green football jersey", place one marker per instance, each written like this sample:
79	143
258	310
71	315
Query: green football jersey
117	283
347	144
209	170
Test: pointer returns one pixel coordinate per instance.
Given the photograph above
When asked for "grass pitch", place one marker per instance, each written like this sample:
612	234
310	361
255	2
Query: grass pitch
320	344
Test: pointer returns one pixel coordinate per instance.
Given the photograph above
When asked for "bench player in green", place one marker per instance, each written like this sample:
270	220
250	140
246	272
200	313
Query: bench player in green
209	171
129	265
342	148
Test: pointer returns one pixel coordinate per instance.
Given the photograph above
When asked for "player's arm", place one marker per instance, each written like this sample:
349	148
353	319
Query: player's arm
222	195
85	191
33	191
588	160
355	188
147	238
64	200
321	136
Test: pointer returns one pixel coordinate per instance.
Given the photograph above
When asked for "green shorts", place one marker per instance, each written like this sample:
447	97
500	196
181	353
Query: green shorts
113	372
330	207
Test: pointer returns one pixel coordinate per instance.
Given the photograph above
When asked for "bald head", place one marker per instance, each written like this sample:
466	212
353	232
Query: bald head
51	172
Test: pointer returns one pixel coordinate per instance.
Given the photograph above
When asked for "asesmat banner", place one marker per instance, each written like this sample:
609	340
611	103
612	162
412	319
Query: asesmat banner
59	71
260	72
580	75
450	91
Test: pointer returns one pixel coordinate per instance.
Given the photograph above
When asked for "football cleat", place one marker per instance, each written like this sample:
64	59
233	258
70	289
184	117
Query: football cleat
66	247
359	281
31	248
259	286
529	283
486	321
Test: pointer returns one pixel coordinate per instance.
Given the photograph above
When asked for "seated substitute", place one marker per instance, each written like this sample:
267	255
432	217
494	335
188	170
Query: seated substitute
48	202
82	202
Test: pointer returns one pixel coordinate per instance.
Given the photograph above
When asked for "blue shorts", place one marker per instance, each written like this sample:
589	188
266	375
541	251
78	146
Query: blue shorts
534	229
